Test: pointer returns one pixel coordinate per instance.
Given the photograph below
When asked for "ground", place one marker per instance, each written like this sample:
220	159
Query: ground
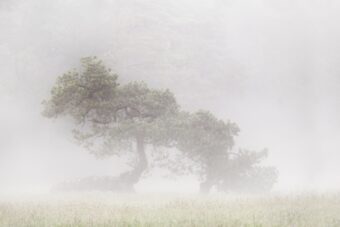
107	209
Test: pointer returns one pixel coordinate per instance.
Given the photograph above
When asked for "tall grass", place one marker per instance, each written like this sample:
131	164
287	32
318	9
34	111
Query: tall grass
106	209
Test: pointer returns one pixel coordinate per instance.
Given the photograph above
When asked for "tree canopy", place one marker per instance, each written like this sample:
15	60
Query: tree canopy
209	142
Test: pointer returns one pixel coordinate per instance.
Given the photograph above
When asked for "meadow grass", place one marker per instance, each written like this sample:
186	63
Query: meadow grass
107	209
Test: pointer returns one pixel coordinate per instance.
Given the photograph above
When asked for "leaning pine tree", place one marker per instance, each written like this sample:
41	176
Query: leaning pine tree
111	119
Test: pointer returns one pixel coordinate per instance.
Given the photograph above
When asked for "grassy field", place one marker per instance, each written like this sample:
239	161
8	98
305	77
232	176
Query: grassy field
105	209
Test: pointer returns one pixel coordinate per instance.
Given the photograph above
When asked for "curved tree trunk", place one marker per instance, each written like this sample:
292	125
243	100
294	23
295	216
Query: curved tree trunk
206	186
132	177
210	179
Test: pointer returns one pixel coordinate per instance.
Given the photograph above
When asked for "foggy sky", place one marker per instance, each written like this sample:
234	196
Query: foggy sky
270	66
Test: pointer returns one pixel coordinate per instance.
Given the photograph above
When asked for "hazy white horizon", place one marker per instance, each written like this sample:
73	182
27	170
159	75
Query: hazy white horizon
270	66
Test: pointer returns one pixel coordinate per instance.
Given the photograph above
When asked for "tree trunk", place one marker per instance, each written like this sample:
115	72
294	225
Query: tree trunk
132	177
206	186
210	178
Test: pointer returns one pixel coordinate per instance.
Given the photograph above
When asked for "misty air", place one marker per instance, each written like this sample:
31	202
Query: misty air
169	113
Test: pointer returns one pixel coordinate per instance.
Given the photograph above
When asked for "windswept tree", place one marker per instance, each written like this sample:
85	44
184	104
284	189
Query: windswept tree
111	119
209	142
244	173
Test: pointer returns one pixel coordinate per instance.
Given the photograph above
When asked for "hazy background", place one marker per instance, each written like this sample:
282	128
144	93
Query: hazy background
272	66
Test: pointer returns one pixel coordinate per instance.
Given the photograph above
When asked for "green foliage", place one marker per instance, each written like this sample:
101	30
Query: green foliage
141	111
113	119
209	141
109	116
86	95
204	138
244	173
202	134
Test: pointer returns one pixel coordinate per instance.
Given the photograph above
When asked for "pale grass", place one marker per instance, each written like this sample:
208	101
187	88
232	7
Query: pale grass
107	209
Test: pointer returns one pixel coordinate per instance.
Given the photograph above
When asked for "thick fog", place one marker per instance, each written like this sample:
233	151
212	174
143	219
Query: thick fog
270	66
